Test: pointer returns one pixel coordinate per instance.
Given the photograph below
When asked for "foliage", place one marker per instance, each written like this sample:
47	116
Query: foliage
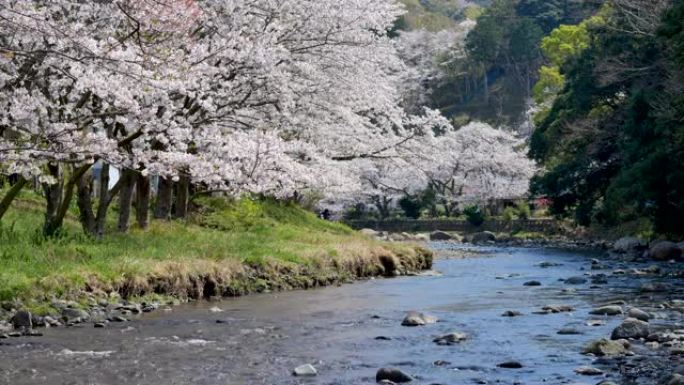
612	143
411	206
474	215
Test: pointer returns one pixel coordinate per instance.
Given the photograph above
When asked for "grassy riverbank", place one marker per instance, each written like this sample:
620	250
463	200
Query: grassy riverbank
225	248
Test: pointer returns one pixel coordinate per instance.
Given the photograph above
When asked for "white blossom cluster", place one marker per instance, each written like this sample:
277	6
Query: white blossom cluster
262	96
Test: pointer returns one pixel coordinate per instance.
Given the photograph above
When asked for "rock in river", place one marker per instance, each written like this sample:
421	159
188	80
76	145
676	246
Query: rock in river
22	320
510	365
664	251
532	283
604	347
607	310
629	245
440	236
631	328
483	237
638	314
576	281
588	371
511	313
414	318
74	315
451	338
393	375
305	371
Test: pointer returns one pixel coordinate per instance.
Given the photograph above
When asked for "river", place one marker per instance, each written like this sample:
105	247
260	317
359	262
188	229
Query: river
259	339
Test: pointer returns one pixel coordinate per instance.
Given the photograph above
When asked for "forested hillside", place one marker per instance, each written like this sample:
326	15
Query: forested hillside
613	140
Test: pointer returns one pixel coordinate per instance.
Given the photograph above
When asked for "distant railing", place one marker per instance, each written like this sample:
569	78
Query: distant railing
427	225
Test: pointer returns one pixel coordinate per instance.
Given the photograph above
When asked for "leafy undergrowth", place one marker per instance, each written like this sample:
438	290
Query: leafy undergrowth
225	248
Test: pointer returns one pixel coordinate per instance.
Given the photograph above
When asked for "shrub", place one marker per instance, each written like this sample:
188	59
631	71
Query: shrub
523	210
474	215
509	214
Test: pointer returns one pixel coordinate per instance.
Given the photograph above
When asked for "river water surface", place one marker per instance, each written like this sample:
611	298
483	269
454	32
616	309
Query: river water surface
259	339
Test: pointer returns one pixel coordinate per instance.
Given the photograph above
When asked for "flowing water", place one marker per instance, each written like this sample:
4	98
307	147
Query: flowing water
259	339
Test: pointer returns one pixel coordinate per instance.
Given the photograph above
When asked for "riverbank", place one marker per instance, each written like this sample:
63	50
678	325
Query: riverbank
225	249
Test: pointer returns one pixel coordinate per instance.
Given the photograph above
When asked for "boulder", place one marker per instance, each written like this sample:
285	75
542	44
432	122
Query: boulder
607	310
451	338
631	328
638	314
664	251
576	280
392	375
305	371
629	245
483	237
414	318
71	315
22	320
604	347
675	379
440	236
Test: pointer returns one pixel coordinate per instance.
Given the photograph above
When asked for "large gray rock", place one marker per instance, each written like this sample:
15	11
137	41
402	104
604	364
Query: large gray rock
638	314
631	328
440	236
629	245
483	237
607	310
604	347
664	251
22	320
393	375
414	318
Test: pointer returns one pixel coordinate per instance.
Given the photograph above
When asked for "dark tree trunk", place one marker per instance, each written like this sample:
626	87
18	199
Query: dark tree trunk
162	209
182	196
53	197
126	199
142	201
11	194
85	203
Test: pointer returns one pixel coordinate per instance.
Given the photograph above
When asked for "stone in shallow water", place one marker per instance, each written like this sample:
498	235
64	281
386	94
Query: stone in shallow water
22	320
607	310
510	365
414	318
631	328
638	314
569	331
451	338
305	371
511	313
532	283
588	371
576	280
604	347
393	375
557	308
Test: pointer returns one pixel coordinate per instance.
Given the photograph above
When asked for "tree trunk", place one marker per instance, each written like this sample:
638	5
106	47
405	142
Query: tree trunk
485	82
53	197
142	201
126	199
11	194
182	196
162	208
84	201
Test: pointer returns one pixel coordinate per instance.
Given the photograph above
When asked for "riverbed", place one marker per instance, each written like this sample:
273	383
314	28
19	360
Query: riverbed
259	339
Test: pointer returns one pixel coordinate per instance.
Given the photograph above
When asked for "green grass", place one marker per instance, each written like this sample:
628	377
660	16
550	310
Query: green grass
219	240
